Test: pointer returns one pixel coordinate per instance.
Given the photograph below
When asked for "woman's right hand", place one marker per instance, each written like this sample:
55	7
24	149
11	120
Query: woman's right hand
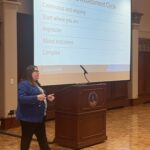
41	97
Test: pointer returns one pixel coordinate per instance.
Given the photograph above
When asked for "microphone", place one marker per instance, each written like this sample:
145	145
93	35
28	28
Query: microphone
85	72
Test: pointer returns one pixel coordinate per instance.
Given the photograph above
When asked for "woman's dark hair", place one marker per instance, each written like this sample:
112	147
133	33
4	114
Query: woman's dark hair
29	70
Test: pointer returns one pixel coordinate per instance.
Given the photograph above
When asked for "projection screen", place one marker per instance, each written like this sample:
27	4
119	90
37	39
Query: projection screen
93	33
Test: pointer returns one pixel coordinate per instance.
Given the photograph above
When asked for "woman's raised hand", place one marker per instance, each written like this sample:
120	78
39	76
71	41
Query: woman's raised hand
41	97
51	97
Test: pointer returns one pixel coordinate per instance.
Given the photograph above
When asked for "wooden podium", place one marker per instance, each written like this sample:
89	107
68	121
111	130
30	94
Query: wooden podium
80	119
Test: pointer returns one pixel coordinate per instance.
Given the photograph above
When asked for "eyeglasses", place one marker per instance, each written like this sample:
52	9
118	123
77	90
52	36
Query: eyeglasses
36	71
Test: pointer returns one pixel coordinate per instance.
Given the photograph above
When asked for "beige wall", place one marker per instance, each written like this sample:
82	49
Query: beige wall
8	57
145	9
143	6
8	52
1	70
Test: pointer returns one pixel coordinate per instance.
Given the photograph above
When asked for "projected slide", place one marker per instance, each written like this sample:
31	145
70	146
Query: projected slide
93	33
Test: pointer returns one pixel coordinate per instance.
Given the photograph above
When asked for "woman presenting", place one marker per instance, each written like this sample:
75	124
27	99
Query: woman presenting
31	109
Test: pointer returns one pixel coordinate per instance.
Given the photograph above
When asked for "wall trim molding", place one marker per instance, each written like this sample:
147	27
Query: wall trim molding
140	100
118	103
135	102
144	34
7	123
12	122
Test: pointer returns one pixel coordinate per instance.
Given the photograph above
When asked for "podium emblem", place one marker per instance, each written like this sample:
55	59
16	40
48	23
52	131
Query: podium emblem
93	99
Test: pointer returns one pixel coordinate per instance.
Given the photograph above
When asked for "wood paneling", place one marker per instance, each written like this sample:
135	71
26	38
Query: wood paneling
117	94
7	123
144	70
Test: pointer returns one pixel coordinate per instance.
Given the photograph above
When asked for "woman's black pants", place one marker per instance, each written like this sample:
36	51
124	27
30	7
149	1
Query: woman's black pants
28	129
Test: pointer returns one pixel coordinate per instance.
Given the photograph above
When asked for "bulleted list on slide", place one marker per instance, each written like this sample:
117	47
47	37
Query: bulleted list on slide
81	32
